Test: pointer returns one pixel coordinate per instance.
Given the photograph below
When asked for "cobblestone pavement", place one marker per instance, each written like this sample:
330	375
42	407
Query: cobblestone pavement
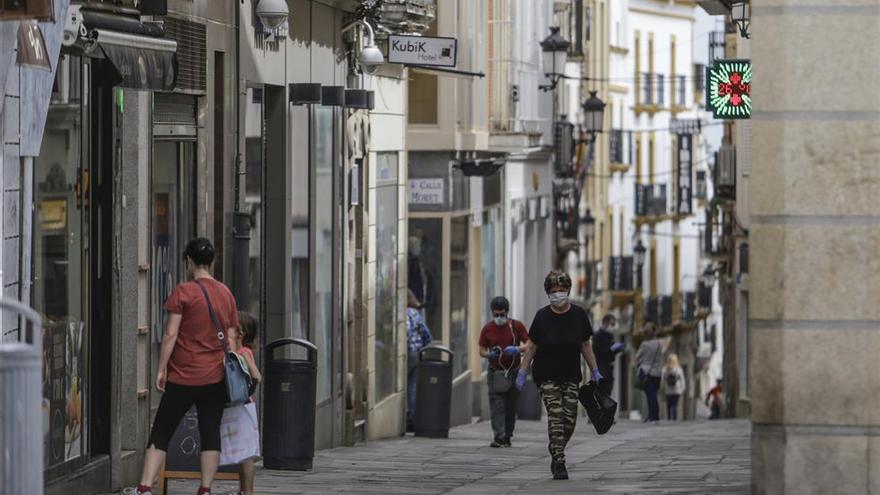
685	457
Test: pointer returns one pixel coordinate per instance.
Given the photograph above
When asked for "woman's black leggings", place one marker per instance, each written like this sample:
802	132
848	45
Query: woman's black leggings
210	400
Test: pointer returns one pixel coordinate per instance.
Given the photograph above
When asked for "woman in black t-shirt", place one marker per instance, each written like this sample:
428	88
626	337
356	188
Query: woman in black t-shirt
559	336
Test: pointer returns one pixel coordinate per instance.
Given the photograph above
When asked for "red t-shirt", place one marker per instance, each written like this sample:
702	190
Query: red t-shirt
494	336
197	358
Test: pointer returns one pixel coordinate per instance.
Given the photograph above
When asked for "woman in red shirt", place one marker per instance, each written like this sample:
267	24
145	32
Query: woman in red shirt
191	366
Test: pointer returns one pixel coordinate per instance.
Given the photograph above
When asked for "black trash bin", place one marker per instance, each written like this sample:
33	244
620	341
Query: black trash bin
289	409
434	392
529	402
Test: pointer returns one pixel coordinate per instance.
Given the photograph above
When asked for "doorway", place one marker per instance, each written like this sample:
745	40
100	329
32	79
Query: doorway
173	203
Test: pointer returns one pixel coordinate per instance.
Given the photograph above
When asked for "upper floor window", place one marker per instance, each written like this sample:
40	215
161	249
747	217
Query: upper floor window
647	89
660	89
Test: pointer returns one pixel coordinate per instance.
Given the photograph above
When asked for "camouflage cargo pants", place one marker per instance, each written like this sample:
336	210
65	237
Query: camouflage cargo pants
561	401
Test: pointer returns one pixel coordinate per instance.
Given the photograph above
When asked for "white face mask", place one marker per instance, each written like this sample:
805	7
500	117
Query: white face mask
501	321
558	299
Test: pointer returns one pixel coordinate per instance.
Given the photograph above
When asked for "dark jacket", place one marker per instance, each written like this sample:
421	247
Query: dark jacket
602	342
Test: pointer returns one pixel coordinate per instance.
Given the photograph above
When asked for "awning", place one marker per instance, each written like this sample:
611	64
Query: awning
143	62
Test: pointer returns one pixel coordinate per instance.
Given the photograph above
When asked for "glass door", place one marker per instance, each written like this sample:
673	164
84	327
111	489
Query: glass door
173	194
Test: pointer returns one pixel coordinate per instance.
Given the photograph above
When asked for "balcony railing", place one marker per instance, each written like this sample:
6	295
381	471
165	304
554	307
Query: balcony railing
620	273
725	172
717	46
565	207
688	306
620	145
563	144
704	296
664	317
712	235
651	199
652	309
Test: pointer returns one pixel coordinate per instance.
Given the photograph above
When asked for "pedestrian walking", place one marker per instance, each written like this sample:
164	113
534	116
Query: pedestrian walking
714	400
650	359
606	350
559	336
417	337
502	340
191	366
673	386
243	344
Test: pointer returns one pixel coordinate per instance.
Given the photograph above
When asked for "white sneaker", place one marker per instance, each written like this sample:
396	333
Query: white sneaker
134	491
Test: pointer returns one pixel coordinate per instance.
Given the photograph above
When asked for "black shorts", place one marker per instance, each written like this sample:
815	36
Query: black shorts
210	400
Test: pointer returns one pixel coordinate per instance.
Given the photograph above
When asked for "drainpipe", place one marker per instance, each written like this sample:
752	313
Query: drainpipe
241	221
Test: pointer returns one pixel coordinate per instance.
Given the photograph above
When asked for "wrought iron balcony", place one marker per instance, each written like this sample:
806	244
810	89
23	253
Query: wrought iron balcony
725	172
713	236
651	200
688	306
620	273
704	296
664	316
652	309
563	147
565	212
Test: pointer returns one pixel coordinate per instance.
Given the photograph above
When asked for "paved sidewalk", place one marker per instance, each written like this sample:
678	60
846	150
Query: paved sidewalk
686	457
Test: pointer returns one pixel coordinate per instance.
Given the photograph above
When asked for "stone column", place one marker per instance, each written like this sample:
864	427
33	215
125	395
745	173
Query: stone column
815	243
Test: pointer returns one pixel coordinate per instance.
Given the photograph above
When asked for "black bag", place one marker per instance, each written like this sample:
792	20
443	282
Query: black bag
671	379
600	408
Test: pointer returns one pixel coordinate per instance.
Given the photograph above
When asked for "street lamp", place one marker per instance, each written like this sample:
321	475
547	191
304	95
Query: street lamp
594	115
708	277
555	50
589	224
740	13
639	260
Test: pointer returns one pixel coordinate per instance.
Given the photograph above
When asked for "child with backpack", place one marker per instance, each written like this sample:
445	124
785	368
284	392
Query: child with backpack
673	386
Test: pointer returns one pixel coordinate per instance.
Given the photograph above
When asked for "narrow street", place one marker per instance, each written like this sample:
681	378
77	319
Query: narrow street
686	457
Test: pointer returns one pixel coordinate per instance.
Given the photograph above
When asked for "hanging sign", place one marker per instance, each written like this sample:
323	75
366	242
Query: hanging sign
685	164
422	50
729	89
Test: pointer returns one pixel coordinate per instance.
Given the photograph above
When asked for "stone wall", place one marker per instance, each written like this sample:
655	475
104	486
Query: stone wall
814	317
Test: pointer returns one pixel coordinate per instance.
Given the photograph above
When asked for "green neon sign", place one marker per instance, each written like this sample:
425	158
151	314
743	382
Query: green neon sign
729	89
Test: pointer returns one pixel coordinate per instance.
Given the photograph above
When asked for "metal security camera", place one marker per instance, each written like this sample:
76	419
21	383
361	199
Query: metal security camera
370	56
272	13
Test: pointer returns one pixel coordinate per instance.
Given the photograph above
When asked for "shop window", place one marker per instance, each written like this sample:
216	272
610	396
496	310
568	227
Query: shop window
458	293
60	267
324	153
425	269
386	301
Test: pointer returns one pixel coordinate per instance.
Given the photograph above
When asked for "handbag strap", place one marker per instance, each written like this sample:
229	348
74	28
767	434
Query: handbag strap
220	334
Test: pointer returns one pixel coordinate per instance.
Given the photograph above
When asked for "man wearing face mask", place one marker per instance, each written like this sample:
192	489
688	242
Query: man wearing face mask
558	338
606	349
502	340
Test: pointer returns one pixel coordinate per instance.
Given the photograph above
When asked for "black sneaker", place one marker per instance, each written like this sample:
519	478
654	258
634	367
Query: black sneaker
506	443
560	473
496	444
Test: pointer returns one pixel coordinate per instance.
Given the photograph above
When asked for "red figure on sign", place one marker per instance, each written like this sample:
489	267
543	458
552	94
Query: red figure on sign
735	88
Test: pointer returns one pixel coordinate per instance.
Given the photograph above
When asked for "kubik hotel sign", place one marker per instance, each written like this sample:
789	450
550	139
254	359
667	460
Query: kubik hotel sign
422	50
